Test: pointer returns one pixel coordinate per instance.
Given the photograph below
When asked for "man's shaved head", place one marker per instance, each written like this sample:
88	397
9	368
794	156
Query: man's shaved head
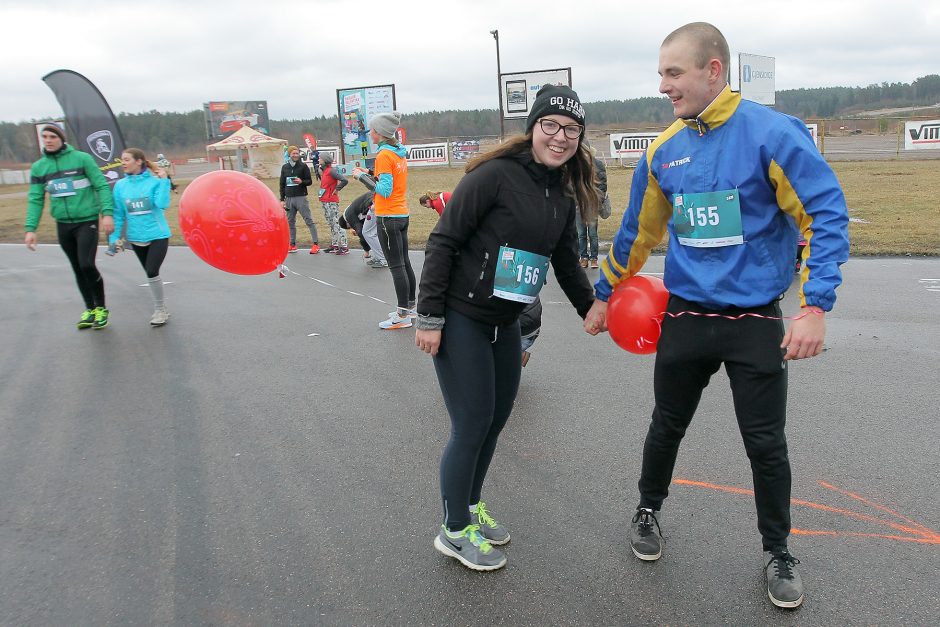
707	41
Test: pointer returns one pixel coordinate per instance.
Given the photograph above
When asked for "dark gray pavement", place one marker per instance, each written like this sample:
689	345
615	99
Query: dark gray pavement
270	457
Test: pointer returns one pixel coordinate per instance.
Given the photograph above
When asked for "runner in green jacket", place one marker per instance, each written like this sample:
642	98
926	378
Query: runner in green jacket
78	195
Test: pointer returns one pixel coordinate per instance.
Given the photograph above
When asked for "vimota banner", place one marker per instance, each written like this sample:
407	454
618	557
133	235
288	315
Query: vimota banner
630	145
92	126
923	135
427	154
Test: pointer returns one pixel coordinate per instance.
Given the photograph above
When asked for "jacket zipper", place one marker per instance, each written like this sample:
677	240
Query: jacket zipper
486	260
64	199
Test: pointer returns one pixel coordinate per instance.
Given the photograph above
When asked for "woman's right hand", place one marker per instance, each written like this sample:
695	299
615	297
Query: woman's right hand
428	341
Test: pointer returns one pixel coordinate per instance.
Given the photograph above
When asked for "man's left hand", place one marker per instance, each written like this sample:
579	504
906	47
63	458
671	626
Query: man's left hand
806	335
107	224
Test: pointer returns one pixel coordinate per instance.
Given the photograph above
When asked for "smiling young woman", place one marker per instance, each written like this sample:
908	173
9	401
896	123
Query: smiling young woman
511	216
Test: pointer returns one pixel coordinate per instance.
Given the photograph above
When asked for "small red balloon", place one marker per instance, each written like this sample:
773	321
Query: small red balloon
634	313
234	222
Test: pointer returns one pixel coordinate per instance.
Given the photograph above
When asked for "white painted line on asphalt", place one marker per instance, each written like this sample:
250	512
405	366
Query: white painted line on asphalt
354	293
9	271
313	335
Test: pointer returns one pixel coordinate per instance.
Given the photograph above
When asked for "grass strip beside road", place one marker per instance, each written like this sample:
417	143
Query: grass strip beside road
892	204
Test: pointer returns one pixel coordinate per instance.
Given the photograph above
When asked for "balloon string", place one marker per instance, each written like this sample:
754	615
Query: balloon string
660	317
284	270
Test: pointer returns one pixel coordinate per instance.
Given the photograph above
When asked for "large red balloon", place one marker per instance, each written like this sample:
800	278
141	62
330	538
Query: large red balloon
233	222
634	313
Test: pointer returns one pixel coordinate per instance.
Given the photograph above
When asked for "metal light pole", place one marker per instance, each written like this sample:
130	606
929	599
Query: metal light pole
499	86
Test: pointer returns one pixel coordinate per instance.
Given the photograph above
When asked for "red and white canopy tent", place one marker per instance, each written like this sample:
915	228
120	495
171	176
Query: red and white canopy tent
265	154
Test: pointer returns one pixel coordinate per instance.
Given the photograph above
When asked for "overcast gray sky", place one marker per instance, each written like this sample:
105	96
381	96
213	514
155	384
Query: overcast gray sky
173	56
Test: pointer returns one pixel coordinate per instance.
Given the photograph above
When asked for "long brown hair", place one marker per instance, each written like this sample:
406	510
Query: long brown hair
139	155
578	175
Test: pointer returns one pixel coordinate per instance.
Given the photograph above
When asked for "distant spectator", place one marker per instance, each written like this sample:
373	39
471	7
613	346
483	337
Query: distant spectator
167	166
391	211
435	200
294	180
331	181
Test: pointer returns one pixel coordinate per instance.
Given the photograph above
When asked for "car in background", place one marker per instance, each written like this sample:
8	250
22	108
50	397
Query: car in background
231	123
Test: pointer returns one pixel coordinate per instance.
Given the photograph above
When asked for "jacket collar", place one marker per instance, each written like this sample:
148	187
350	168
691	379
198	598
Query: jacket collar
145	173
716	113
61	151
535	169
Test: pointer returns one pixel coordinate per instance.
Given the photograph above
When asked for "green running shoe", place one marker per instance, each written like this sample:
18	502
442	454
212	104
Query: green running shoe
469	548
87	319
494	532
101	318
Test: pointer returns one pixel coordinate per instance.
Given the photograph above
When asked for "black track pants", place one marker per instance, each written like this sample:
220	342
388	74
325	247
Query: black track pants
690	350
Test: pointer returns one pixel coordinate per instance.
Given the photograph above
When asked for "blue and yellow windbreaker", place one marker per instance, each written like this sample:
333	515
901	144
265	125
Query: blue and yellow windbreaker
781	178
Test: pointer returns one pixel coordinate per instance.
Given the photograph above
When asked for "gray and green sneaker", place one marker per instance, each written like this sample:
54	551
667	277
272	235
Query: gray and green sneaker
101	318
646	538
87	319
469	548
784	586
494	532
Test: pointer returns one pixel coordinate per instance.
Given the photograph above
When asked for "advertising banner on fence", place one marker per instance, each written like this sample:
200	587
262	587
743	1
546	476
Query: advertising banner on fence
756	78
355	107
465	149
923	135
519	89
427	154
630	145
306	154
225	117
814	131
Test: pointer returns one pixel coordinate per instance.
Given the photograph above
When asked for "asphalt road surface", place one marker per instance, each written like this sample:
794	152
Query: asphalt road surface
271	457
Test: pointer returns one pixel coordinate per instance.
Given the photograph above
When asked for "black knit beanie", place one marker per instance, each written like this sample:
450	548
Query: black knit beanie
555	99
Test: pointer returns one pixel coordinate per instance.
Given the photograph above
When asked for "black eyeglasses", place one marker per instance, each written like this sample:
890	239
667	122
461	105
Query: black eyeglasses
551	127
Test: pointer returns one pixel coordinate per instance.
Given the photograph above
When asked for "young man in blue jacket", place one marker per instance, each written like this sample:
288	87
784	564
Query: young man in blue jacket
727	181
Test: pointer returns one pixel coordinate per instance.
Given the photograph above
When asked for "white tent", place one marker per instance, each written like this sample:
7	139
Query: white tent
265	154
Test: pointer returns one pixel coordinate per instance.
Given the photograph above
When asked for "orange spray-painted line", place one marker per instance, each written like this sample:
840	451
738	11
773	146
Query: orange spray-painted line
813	532
923	534
871	504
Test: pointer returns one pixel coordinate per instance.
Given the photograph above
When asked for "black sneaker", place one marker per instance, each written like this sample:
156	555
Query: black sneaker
646	538
784	586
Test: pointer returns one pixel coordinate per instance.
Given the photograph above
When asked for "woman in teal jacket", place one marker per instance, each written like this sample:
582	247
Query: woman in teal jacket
140	203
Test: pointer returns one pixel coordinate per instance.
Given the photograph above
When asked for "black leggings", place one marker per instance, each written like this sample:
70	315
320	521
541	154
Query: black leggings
79	240
478	368
690	351
151	257
393	236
